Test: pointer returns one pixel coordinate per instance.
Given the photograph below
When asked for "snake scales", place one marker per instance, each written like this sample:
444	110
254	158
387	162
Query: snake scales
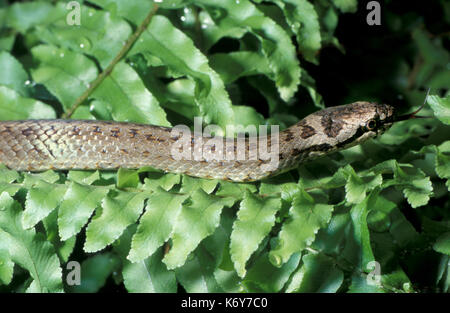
37	145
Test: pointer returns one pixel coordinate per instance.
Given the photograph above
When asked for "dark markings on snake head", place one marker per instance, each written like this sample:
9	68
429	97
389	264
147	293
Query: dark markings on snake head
331	126
149	137
160	140
296	151
359	132
307	131
323	147
301	123
289	135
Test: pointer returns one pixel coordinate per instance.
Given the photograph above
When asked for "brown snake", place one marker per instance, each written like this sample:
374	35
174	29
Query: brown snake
37	145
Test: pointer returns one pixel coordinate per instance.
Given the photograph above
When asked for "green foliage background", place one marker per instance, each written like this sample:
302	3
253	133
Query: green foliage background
315	229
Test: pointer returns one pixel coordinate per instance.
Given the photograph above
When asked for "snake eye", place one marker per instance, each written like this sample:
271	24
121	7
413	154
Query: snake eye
371	124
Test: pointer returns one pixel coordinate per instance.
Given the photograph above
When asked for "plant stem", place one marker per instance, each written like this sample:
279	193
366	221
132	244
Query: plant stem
129	43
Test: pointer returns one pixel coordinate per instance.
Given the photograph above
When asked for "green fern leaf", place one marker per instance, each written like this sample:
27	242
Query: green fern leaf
357	187
304	21
182	55
255	219
161	180
148	275
77	206
119	209
84	177
276	45
317	274
66	74
198	219
442	244
156	224
441	107
28	249
13	75
15	107
41	200
100	35
263	276
127	99
94	272
306	217
190	184
361	232
6	266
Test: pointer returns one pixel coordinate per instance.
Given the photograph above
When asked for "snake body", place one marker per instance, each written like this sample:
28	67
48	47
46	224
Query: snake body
38	145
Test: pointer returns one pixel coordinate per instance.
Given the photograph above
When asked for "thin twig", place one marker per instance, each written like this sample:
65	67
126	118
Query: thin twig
131	40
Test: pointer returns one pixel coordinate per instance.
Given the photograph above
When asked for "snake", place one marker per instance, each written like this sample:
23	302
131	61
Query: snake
65	144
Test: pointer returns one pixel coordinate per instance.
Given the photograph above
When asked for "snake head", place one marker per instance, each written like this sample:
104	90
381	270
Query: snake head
336	128
368	115
384	117
351	124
